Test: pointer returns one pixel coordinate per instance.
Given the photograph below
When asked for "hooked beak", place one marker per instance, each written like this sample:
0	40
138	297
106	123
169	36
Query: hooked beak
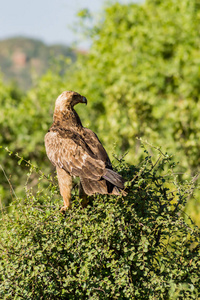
84	100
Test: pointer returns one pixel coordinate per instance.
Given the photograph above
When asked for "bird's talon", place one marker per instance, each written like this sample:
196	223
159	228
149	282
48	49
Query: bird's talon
64	209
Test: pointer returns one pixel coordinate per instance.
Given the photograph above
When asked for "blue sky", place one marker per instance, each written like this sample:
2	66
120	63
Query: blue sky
47	20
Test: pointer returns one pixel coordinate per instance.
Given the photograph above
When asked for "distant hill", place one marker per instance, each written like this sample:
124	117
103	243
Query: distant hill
22	59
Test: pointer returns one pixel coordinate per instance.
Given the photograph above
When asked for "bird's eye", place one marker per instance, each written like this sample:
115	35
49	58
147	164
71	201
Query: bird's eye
75	96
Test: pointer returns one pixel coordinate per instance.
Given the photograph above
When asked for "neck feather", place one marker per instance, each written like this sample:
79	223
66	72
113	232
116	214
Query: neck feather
68	118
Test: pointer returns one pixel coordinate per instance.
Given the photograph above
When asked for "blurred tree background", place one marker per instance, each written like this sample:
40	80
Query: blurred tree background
141	77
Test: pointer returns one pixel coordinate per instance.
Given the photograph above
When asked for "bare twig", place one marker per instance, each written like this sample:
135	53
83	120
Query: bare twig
11	187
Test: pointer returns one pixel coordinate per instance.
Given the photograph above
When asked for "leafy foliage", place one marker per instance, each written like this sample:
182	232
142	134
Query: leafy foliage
133	247
142	71
141	79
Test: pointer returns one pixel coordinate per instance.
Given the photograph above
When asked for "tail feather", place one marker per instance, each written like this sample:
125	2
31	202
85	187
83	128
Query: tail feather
111	183
114	178
92	186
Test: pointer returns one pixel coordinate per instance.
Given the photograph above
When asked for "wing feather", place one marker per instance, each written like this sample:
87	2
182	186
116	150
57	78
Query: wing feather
73	155
95	145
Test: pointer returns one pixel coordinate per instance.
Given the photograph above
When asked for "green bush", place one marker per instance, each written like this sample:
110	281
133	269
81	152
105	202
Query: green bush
133	247
142	74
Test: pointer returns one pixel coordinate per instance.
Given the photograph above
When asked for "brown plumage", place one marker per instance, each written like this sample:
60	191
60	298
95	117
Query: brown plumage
76	151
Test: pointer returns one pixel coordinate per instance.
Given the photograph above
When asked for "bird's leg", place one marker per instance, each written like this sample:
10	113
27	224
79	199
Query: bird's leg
65	184
83	196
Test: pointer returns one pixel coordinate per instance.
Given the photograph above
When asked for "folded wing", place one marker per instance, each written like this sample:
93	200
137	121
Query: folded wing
83	156
73	155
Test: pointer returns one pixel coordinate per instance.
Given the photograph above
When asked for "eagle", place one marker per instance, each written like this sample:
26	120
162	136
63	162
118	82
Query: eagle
76	151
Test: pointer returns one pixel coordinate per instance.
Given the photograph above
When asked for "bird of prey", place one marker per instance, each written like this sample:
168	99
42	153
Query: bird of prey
76	151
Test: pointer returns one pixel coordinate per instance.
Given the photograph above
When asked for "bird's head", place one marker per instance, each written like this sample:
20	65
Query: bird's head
68	99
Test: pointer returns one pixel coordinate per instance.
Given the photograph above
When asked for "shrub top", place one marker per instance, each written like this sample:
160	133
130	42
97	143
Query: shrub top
133	247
